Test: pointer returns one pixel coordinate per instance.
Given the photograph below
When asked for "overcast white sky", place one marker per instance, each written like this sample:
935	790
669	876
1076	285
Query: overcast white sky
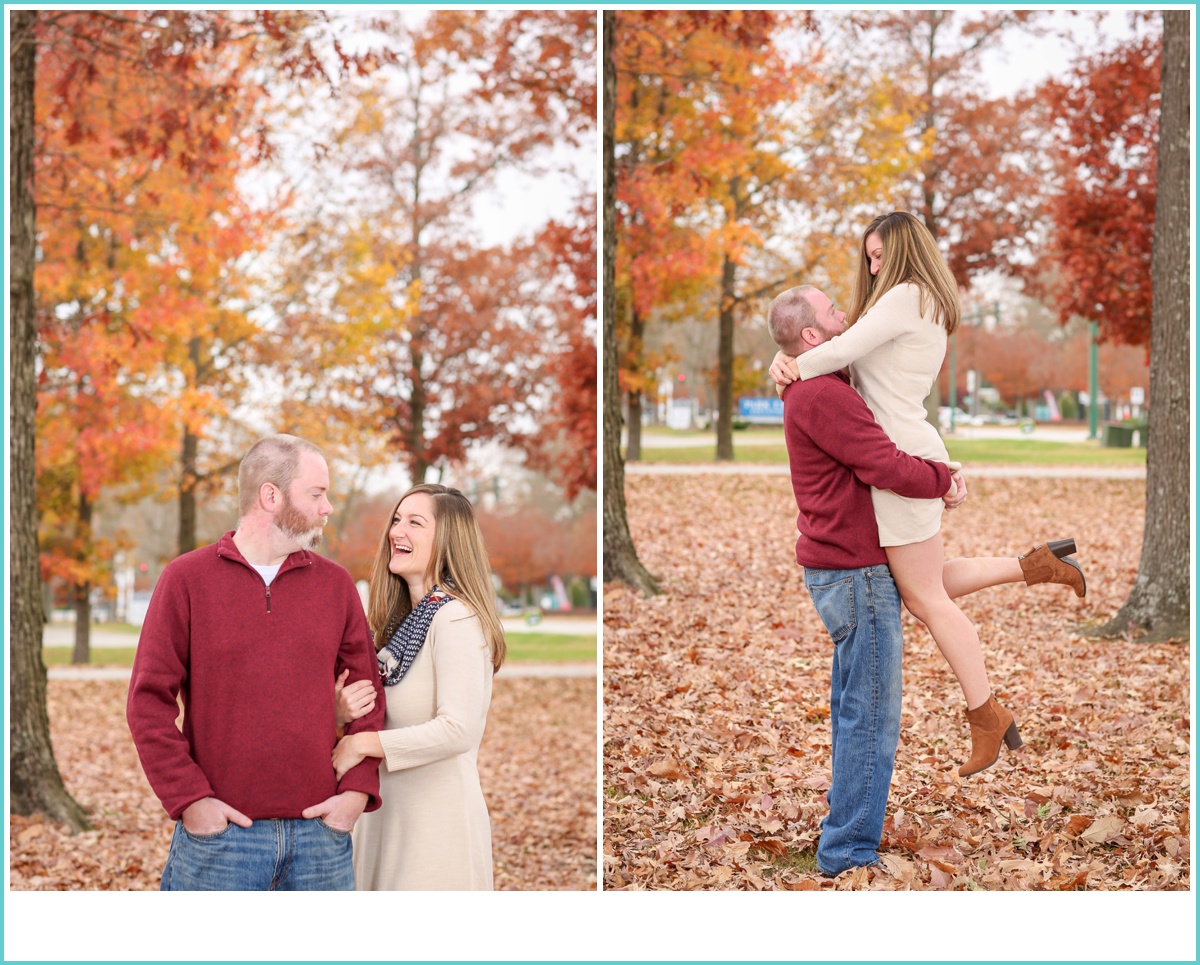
1026	60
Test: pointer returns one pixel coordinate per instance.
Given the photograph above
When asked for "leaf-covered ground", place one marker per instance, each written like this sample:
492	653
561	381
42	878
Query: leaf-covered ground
537	766
716	727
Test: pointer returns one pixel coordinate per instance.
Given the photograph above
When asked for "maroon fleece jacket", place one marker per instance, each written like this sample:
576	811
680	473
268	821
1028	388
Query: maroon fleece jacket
255	666
837	452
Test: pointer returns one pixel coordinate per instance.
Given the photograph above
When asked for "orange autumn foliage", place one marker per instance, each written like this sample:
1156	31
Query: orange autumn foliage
417	340
139	227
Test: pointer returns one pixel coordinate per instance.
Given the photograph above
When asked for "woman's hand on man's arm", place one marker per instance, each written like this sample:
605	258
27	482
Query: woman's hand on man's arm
353	700
958	489
355	748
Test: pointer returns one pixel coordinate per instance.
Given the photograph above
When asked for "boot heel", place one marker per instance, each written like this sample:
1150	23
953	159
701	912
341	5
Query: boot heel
1061	547
1012	737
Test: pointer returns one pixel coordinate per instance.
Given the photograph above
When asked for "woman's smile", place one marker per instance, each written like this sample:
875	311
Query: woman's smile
411	536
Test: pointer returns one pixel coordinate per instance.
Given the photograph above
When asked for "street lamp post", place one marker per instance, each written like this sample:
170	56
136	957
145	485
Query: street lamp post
1093	380
953	384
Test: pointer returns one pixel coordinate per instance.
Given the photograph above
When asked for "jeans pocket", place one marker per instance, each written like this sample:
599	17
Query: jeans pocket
835	606
337	832
211	836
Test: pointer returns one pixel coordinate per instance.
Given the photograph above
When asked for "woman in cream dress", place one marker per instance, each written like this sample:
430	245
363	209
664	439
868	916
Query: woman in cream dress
904	307
439	641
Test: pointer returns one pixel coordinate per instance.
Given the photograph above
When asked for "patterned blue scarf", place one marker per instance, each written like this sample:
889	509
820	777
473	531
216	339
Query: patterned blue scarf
402	649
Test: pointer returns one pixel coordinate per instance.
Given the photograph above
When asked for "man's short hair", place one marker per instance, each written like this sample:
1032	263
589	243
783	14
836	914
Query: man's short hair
789	315
273	459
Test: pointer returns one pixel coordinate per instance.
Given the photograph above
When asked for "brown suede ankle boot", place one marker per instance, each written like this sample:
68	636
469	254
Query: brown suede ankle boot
1045	564
990	724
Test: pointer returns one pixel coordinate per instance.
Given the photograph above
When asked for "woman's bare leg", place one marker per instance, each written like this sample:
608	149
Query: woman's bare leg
917	570
968	574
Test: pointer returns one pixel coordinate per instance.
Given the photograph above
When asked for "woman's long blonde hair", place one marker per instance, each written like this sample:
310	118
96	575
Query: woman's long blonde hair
909	255
458	565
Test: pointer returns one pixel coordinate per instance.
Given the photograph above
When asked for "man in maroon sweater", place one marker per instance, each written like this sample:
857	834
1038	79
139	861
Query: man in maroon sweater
251	632
837	452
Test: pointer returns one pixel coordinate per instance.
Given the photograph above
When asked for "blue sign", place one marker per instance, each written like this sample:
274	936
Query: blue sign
761	409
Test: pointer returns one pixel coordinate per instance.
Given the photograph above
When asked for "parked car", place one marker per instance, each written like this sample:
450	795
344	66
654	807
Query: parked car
138	605
510	607
961	418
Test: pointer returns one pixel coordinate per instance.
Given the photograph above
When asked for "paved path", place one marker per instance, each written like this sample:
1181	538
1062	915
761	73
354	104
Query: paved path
1044	433
567	623
972	472
88	673
547	670
63	635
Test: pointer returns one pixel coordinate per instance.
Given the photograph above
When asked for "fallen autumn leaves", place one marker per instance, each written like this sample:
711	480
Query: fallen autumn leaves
716	707
537	765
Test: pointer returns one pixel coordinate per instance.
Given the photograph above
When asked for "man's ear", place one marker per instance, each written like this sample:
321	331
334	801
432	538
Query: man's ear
268	496
811	336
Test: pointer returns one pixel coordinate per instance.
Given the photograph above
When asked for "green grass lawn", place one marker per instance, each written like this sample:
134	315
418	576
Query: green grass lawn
1036	452
1015	451
101	656
550	647
522	648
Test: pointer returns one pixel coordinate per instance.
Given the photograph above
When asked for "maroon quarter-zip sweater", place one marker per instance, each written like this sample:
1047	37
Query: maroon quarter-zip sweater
255	666
837	452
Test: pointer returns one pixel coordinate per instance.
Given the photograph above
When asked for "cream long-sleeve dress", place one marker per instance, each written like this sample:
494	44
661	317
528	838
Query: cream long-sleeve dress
894	352
432	831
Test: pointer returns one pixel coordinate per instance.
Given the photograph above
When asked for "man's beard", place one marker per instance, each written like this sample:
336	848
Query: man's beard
296	526
830	333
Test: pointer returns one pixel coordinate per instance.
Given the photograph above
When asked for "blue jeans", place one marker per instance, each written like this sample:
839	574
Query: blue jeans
861	610
271	855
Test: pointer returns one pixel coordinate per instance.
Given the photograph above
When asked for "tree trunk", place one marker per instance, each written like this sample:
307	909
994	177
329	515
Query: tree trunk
82	595
1158	607
35	783
633	412
620	558
419	463
82	592
725	360
188	479
633	426
932	173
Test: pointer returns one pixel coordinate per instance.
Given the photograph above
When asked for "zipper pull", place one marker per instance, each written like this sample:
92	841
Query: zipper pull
268	597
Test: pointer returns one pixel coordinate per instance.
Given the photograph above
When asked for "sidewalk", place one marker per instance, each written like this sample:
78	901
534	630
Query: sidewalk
63	635
1045	433
565	623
